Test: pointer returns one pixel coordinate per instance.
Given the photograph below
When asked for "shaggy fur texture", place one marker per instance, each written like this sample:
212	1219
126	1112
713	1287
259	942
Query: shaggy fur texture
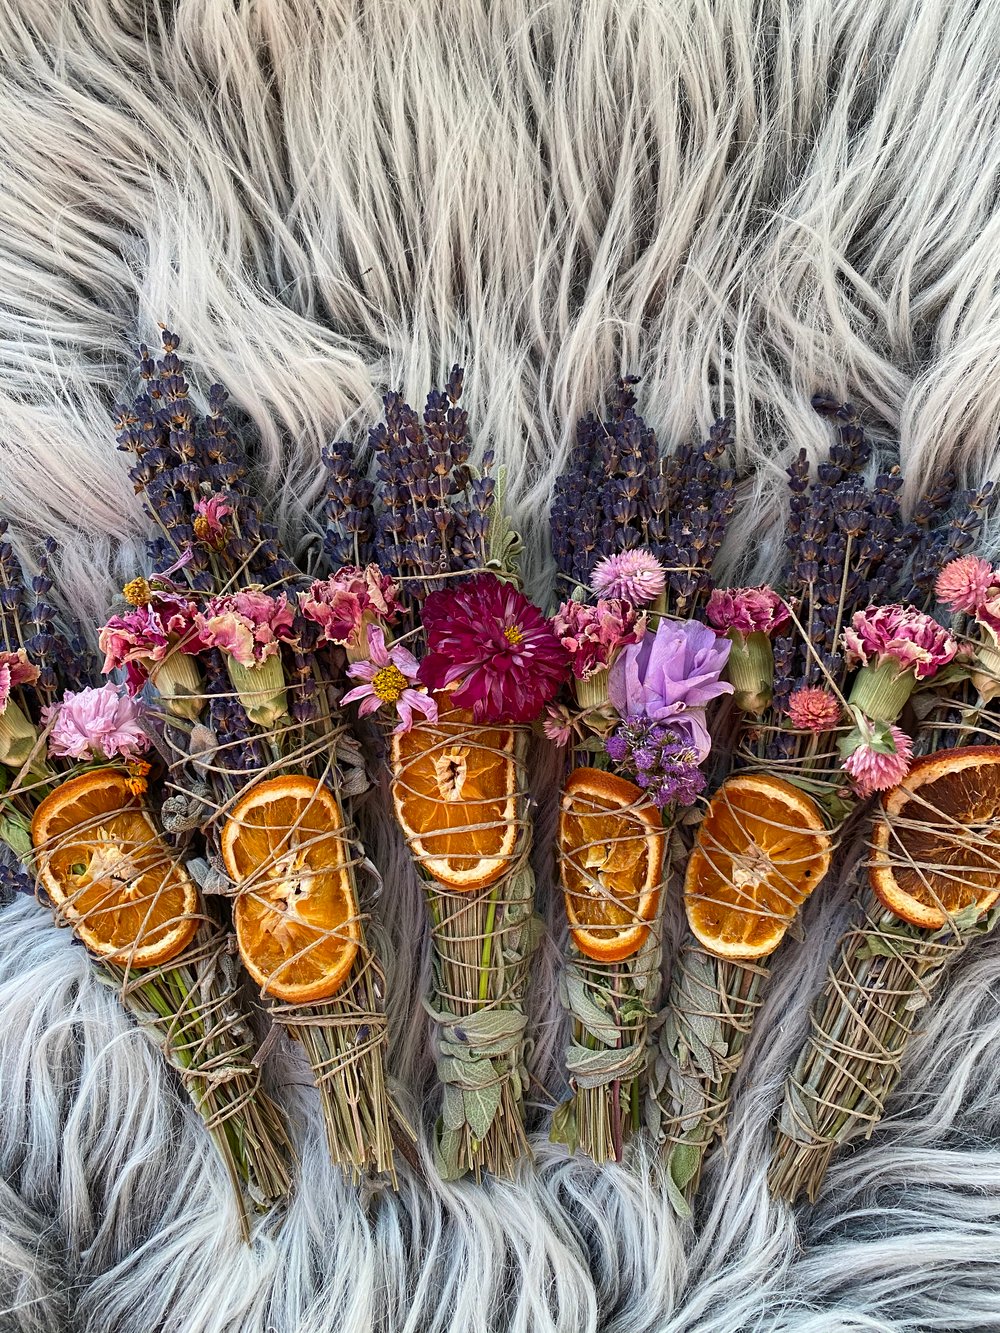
744	201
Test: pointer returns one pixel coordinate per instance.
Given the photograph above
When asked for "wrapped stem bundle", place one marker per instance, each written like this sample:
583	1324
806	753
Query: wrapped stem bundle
232	639
634	537
488	664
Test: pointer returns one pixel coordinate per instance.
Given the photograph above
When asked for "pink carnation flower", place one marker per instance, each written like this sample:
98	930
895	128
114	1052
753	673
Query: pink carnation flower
637	576
142	638
248	626
900	634
340	604
209	514
874	770
592	635
964	584
811	708
389	678
15	669
746	610
96	723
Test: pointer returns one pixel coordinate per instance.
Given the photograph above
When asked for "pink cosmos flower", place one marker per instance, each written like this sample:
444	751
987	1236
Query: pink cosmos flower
99	723
637	576
340	603
872	769
900	634
248	626
485	637
964	584
746	610
389	678
811	708
209	514
15	669
558	724
142	638
592	635
671	672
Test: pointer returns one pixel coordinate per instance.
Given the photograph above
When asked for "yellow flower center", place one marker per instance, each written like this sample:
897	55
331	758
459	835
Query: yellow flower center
137	592
513	635
389	683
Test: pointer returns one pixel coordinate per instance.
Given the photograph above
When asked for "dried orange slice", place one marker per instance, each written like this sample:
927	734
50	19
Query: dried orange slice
761	850
455	791
936	846
100	858
296	915
611	849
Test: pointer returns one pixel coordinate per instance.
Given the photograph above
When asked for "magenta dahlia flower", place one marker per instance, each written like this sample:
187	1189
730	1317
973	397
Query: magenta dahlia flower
248	626
964	584
881	760
389	677
746	610
344	604
901	634
141	639
96	723
15	669
498	650
637	576
811	708
592	635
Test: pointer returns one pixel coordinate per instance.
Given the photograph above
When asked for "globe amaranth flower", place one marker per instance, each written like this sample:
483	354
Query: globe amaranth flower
661	758
636	576
497	649
248	626
902	635
812	708
344	605
96	723
143	638
877	755
592	635
208	515
672	672
746	610
15	669
389	676
558	724
966	583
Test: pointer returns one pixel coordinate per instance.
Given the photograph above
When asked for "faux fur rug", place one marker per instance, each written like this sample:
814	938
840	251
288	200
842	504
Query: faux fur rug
743	201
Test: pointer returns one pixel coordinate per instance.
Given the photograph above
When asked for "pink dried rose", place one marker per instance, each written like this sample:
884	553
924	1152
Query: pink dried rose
15	669
966	583
593	635
811	708
96	723
746	610
209	513
636	576
141	639
248	626
347	602
389	677
880	759
911	639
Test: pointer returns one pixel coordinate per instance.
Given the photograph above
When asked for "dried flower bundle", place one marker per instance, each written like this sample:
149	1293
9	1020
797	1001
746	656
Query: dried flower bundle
456	673
634	537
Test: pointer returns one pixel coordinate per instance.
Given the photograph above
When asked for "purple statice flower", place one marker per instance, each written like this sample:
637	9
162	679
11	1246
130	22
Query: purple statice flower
661	758
672	674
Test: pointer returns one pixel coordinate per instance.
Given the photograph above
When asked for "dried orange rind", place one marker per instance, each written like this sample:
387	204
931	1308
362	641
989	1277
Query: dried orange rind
611	851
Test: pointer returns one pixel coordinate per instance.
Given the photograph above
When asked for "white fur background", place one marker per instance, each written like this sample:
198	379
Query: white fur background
744	201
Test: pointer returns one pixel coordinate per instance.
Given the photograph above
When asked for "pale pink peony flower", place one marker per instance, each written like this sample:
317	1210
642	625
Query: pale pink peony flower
15	669
746	610
558	724
637	576
248	626
96	723
811	708
964	584
389	678
873	770
345	603
900	634
592	635
209	514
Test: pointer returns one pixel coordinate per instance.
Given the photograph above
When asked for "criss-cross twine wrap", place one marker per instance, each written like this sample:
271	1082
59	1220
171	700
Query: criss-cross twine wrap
714	999
482	937
886	972
311	863
612	1004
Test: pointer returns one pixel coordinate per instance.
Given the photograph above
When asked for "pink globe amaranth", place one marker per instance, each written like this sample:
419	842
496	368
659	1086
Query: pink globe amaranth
635	576
874	767
911	639
494	646
746	610
965	584
811	708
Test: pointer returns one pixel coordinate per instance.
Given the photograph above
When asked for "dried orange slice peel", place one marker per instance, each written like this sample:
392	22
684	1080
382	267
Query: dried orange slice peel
103	863
611	850
296	914
936	844
761	850
454	788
